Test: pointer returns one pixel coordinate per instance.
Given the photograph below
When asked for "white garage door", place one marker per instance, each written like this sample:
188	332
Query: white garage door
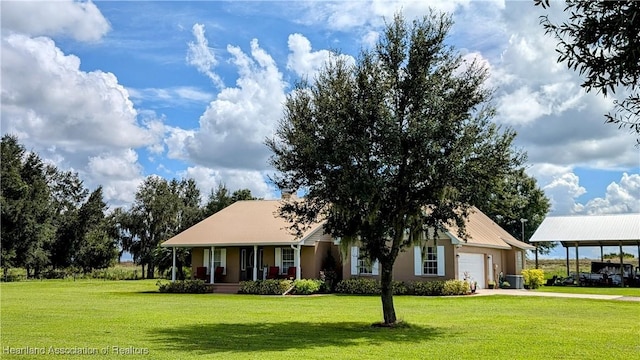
474	265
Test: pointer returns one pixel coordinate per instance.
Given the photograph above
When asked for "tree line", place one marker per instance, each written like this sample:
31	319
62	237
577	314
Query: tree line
51	221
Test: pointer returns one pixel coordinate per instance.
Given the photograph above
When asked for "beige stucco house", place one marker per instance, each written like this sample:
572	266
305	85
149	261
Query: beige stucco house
249	241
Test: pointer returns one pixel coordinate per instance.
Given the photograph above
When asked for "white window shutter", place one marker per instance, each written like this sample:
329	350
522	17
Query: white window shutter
205	260
440	260
354	260
223	260
417	260
278	258
374	267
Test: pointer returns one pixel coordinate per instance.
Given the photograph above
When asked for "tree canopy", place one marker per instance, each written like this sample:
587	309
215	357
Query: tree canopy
51	223
400	142
601	40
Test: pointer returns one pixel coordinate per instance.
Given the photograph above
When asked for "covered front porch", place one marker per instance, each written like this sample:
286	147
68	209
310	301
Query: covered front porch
243	262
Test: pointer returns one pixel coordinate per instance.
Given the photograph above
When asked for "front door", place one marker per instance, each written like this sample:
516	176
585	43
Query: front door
246	263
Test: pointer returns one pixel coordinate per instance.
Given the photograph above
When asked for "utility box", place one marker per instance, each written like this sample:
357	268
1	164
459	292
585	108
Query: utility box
516	281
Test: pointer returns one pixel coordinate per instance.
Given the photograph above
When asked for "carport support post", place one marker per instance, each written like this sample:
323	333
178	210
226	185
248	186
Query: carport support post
577	264
567	249
601	253
173	267
621	266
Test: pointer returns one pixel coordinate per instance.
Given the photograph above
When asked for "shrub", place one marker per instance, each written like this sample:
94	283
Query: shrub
307	286
265	287
401	288
505	285
533	277
182	287
428	288
455	287
358	286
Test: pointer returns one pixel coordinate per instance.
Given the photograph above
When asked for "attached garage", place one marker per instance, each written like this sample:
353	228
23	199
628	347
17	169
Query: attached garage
473	264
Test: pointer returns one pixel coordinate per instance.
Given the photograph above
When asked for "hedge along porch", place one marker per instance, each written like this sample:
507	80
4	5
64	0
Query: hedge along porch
247	240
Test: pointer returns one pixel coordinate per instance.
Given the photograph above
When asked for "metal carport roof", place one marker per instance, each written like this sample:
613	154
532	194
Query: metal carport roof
590	230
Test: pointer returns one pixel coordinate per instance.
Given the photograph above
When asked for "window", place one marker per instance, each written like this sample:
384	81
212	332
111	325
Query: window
217	258
260	265
430	262
364	267
243	259
287	259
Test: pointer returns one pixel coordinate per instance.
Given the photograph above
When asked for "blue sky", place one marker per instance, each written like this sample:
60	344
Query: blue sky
121	90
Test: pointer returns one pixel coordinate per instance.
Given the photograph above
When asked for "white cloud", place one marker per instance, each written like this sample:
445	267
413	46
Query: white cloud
118	172
171	97
562	191
48	99
202	57
622	197
236	123
81	21
208	179
306	63
349	15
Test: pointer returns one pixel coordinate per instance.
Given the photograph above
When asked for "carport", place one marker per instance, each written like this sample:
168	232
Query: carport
622	230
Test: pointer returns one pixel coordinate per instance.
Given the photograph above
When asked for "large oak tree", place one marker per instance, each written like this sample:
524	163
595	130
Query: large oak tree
400	142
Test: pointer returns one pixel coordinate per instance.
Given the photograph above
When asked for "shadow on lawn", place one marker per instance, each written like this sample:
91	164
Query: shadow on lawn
236	337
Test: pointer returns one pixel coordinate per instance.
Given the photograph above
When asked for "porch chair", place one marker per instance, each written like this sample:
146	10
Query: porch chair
291	272
218	274
274	272
201	273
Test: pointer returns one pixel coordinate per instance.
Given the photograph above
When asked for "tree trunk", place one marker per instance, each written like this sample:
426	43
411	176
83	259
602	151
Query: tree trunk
386	294
150	271
143	273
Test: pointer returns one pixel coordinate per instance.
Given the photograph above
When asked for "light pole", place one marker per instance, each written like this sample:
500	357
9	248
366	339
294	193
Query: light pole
523	221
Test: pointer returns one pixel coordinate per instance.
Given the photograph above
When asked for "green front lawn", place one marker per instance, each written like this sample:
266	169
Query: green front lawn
591	290
131	315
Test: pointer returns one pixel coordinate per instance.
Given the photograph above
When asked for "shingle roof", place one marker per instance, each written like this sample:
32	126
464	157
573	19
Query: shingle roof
484	232
256	222
250	222
590	230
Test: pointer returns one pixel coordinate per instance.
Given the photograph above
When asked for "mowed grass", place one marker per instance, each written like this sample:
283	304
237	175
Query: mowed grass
627	291
99	315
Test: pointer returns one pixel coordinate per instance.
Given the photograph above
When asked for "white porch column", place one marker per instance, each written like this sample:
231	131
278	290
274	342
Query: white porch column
212	271
255	262
173	268
296	258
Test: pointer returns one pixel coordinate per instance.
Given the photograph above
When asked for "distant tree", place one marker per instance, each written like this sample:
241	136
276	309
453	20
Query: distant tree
601	41
97	248
218	200
151	220
616	256
68	193
13	192
161	210
399	143
35	218
517	196
221	198
242	194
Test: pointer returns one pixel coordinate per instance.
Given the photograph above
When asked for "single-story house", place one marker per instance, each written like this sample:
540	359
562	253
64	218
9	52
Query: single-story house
250	241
